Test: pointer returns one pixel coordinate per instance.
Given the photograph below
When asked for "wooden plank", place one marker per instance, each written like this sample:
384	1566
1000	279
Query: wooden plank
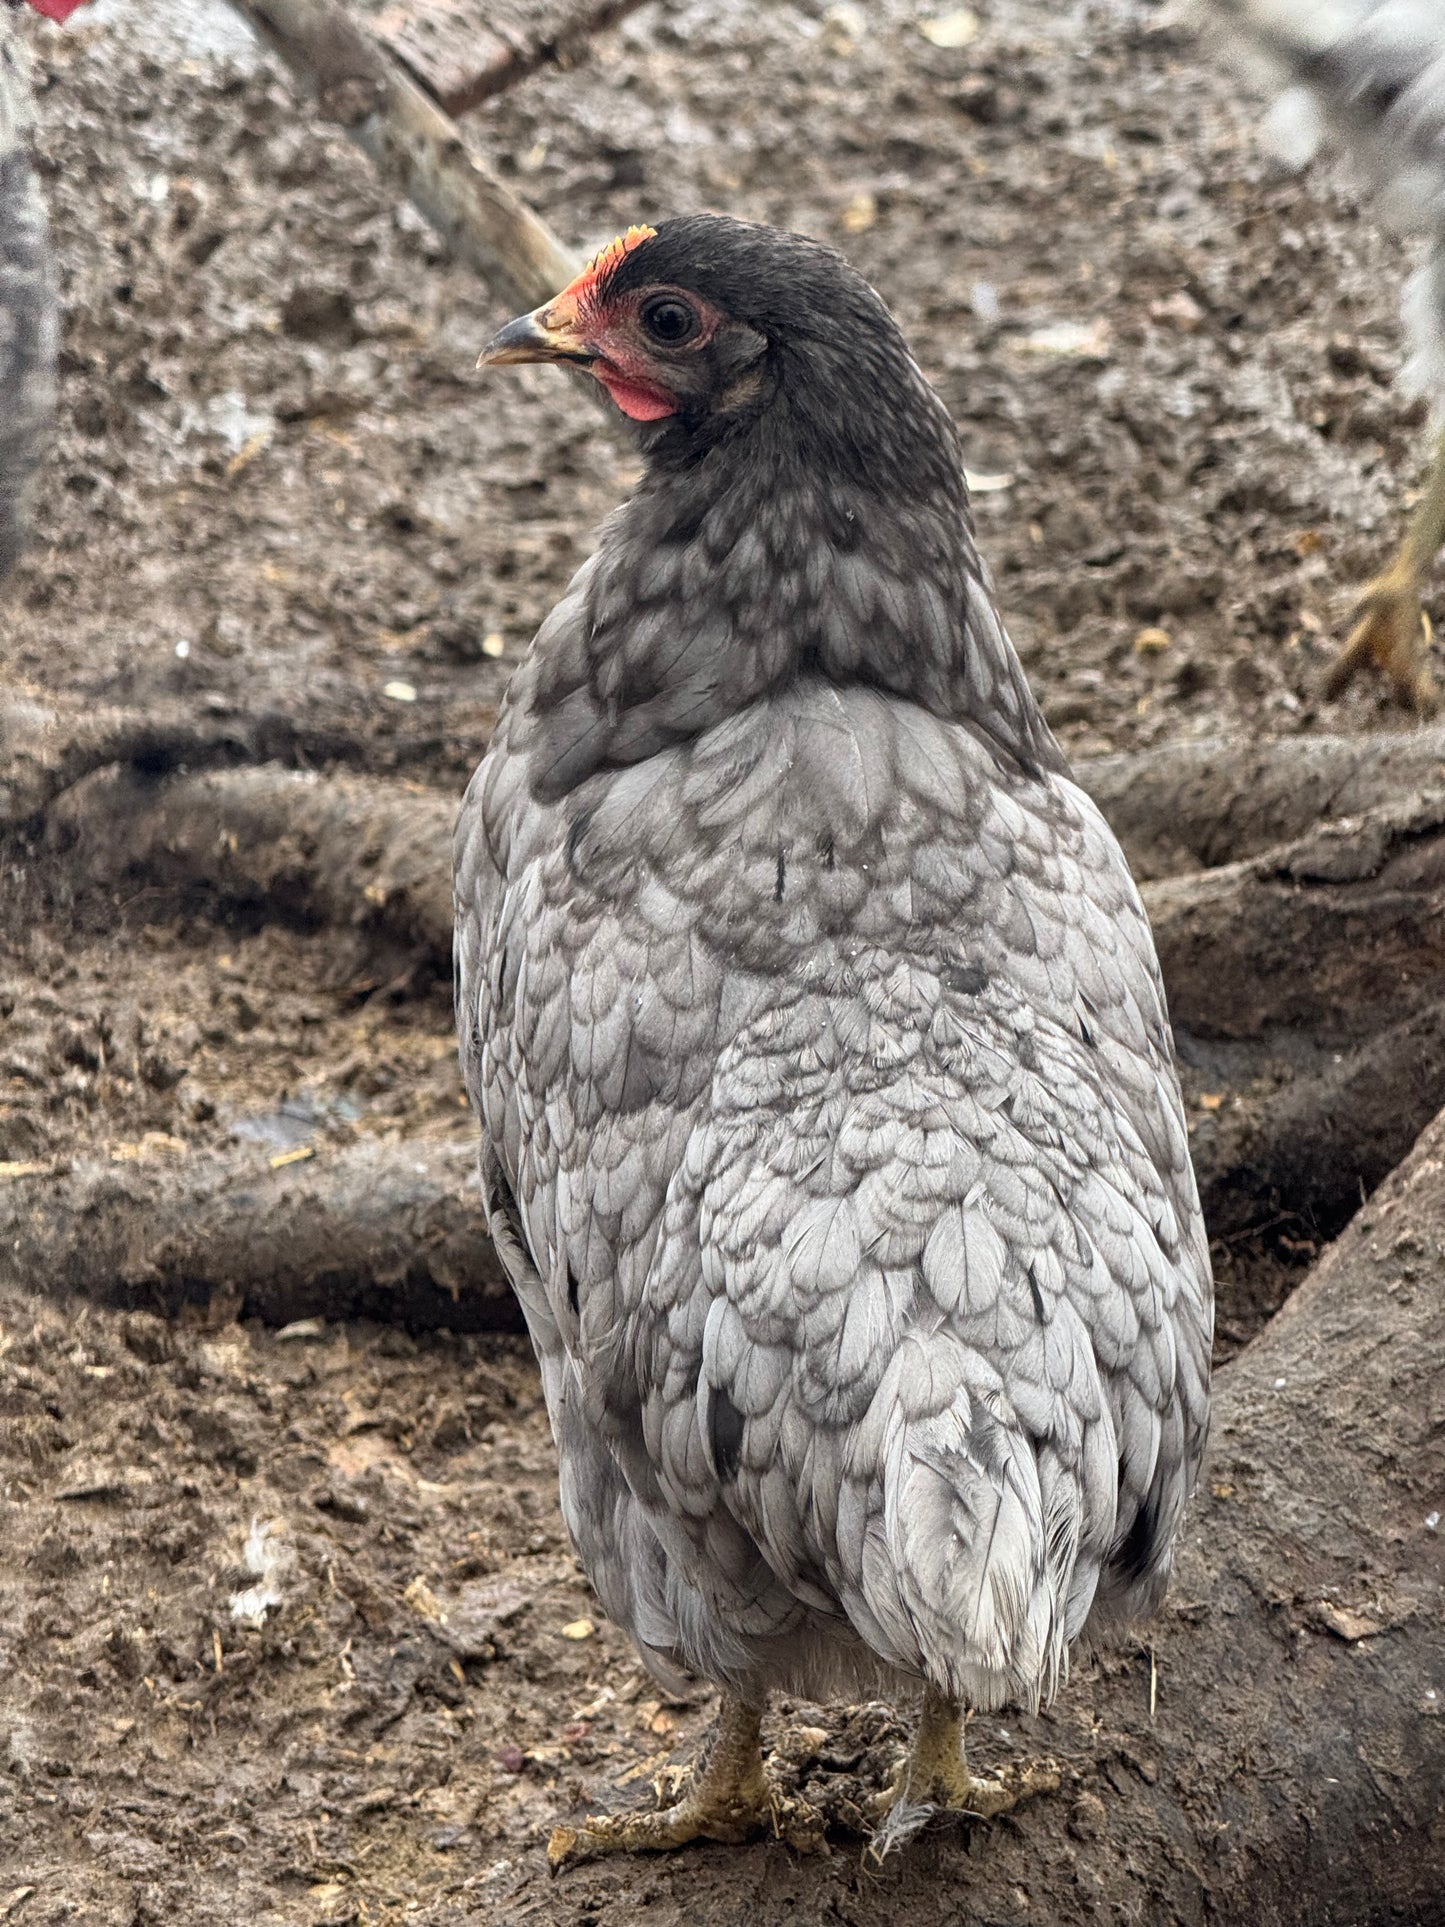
417	148
464	51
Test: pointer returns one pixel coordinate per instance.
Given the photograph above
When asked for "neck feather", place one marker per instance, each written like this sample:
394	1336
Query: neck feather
808	538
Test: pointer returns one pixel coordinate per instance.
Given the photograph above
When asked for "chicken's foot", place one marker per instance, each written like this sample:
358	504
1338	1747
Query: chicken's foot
935	1778
730	1798
1392	630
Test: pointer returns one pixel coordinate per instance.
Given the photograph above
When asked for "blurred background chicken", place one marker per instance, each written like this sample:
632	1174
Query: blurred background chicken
27	299
1370	76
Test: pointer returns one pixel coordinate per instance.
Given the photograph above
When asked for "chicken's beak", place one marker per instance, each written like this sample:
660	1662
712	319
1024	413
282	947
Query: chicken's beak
547	334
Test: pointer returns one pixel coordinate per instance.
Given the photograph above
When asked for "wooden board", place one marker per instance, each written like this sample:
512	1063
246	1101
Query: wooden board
464	51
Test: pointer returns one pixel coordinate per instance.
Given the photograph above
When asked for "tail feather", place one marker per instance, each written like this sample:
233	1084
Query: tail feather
978	1553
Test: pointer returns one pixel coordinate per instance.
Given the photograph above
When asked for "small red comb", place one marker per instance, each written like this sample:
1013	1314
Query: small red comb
606	259
56	9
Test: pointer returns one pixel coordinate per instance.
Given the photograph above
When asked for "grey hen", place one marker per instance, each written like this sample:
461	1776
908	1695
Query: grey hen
831	1133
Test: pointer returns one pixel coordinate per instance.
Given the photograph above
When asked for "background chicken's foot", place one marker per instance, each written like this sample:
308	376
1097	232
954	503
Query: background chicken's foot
1392	631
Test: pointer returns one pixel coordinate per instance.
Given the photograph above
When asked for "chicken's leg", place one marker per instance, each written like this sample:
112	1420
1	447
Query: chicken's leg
729	1799
1391	629
935	1777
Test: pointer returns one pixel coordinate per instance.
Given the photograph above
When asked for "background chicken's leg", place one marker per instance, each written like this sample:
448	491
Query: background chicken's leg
1392	631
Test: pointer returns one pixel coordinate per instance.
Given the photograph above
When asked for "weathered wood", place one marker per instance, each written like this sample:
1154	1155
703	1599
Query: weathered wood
1336	935
1308	983
1339	933
1182	808
351	853
1193	806
465	51
390	1231
416	148
46	749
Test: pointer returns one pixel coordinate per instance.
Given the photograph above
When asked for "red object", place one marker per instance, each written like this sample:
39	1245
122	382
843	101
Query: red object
56	9
636	398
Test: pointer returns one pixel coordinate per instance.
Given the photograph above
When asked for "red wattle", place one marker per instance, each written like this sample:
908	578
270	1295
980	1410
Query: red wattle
640	400
56	9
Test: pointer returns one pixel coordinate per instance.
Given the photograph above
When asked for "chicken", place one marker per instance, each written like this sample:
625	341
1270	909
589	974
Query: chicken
27	302
1372	74
831	1132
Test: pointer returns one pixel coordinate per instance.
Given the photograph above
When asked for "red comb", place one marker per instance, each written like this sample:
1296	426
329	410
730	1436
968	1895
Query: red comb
56	9
606	259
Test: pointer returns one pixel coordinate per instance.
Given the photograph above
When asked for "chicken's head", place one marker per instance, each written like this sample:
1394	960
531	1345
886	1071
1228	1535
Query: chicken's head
710	331
637	320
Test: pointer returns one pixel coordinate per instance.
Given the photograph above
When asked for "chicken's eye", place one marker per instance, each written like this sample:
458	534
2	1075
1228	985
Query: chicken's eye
669	319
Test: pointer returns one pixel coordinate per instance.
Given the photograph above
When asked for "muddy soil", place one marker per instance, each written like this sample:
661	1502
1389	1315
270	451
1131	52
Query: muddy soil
289	1631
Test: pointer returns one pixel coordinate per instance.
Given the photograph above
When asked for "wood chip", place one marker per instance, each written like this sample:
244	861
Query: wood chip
298	1156
1069	340
578	1629
477	1613
860	214
301	1328
1346	1624
956	29
247	452
640	1770
420	1597
96	1482
153	1144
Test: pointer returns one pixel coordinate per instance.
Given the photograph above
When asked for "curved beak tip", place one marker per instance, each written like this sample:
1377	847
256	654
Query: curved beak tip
528	338
521	340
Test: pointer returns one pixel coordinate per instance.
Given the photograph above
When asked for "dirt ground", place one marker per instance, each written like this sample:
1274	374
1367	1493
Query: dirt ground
289	1631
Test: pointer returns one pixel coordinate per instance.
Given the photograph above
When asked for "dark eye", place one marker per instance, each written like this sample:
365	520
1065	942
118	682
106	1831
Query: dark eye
669	319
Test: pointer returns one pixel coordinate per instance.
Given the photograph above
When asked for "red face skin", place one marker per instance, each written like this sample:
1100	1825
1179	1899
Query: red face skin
56	9
640	399
625	362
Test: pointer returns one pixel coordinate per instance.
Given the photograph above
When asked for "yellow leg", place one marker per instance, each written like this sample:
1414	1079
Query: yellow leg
935	1777
1392	631
730	1798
